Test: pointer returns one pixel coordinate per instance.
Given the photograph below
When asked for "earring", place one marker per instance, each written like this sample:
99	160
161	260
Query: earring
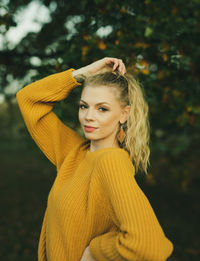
121	135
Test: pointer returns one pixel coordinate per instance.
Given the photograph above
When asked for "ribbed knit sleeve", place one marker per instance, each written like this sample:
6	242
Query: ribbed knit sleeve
36	102
140	236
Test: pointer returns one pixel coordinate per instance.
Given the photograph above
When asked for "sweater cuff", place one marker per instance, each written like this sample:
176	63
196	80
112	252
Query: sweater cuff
66	77
103	247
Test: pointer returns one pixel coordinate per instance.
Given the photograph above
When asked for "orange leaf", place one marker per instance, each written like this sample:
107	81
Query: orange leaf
165	57
86	37
160	75
102	45
145	71
174	10
176	93
84	50
165	98
189	108
165	46
191	119
123	10
141	45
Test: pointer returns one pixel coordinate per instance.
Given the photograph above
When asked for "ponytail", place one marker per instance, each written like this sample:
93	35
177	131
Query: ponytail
137	125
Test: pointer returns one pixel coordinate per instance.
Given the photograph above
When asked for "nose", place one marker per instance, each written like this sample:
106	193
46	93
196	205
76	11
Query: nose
89	115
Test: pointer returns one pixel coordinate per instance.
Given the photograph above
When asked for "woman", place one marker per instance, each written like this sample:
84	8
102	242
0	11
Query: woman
95	209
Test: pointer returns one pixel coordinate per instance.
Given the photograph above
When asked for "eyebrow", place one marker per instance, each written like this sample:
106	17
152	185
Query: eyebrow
97	103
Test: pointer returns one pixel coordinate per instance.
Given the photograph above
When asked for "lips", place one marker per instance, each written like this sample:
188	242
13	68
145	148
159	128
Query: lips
89	128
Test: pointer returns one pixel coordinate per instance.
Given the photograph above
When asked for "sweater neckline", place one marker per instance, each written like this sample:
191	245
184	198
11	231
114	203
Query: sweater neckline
97	152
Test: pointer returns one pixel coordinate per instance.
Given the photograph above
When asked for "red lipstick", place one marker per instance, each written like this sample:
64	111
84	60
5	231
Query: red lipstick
89	128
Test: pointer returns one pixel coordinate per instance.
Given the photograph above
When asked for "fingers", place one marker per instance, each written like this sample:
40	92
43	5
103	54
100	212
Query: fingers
121	67
117	64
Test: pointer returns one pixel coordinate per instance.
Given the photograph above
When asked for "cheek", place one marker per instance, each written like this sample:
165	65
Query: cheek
109	120
80	116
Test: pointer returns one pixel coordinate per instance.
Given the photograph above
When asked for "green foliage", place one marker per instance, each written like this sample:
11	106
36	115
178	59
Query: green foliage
157	40
159	43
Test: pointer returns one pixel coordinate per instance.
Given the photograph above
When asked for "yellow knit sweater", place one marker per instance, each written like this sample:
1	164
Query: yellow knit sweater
95	199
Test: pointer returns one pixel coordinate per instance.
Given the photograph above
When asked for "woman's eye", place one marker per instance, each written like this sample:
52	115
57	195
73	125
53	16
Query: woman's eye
82	106
103	109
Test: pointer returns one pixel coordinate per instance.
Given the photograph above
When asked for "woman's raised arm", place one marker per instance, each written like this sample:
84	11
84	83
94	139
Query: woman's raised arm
36	102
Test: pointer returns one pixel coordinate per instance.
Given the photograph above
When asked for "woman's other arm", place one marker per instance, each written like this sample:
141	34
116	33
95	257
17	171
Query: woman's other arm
140	235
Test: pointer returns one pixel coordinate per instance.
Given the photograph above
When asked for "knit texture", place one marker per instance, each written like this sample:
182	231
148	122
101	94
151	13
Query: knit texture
95	200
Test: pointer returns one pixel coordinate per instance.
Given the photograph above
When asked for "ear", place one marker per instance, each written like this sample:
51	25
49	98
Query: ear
125	114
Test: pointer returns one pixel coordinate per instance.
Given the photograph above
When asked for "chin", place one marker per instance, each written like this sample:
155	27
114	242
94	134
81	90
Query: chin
89	137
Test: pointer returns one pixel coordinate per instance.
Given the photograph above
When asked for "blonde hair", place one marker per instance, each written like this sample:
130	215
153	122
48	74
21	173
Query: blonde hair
136	127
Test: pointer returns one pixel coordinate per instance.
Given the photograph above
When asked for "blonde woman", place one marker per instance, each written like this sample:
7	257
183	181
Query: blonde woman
95	209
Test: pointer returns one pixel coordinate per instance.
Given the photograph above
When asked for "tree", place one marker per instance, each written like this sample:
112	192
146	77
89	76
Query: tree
158	42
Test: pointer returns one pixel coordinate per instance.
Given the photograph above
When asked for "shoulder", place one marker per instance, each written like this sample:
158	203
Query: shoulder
114	154
114	160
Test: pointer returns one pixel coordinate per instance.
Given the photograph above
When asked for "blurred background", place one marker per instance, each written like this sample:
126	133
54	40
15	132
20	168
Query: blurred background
159	41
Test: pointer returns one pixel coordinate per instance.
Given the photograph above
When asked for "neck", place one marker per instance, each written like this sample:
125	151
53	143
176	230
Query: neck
97	145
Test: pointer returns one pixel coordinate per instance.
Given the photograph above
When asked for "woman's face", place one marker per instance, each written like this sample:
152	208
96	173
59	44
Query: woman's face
100	113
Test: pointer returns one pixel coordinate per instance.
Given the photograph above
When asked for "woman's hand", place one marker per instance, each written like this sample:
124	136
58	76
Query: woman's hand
87	256
107	64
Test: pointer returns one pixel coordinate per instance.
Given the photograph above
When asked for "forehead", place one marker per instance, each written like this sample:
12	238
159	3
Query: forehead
97	94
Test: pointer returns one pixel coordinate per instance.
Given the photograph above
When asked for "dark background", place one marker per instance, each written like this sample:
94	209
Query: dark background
159	41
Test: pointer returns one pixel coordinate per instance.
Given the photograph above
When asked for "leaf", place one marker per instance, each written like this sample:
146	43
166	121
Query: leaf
102	45
148	31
